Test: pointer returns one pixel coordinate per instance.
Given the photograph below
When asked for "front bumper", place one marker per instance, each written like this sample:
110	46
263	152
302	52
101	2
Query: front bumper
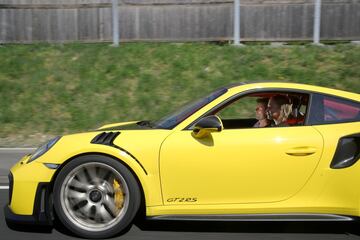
30	194
15	218
42	209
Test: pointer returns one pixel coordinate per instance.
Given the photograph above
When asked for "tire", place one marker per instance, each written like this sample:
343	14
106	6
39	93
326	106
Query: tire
96	196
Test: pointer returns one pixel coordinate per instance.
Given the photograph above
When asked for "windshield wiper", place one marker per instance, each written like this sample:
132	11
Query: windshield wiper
145	123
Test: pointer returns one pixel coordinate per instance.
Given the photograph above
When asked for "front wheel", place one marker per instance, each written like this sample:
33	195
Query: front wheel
96	196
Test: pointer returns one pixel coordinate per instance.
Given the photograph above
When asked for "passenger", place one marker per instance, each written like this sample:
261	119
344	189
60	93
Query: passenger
279	110
260	113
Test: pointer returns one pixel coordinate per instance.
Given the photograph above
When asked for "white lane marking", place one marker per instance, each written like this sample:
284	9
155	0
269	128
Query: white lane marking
17	149
4	187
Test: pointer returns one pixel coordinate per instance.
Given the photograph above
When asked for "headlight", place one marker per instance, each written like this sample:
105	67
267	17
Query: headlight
43	149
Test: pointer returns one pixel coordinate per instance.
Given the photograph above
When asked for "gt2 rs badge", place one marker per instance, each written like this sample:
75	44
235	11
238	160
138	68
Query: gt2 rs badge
181	200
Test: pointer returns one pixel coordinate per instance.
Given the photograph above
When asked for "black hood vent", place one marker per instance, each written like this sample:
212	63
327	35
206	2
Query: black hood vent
105	138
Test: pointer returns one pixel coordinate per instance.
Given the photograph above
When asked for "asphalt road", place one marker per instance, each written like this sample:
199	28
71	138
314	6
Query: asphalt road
8	157
183	230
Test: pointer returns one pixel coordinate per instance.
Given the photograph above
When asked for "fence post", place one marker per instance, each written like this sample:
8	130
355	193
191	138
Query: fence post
115	22
317	22
237	23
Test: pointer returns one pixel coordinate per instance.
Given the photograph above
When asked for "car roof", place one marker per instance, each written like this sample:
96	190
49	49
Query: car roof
293	86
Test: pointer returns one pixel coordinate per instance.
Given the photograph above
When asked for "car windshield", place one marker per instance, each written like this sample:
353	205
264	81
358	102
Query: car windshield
174	118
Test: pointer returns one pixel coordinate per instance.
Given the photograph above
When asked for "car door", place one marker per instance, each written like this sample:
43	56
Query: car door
233	166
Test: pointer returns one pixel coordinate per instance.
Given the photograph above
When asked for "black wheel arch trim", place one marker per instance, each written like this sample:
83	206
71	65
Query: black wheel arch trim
107	139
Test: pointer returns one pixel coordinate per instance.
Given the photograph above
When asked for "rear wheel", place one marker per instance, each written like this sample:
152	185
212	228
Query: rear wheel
96	196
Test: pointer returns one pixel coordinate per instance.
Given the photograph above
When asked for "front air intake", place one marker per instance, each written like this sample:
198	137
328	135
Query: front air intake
11	184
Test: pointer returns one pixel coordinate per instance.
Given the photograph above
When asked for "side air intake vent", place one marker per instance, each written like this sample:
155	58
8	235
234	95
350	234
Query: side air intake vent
105	138
347	152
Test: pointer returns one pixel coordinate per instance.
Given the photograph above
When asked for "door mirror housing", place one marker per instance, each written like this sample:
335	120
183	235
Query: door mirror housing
207	125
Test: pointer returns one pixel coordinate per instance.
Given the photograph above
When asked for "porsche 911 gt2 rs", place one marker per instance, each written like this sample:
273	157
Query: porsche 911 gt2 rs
205	161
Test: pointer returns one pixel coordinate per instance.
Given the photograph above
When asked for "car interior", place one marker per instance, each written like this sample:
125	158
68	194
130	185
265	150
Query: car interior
243	113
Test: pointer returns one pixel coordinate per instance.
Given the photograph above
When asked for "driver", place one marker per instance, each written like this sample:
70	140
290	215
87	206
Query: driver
260	113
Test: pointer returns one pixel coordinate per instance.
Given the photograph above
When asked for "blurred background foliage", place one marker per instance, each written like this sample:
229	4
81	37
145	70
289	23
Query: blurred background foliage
48	90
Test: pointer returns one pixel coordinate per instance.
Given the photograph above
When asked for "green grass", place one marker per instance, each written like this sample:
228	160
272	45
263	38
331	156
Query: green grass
56	89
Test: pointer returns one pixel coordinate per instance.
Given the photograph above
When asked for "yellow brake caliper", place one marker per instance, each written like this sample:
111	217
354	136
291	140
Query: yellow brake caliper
119	195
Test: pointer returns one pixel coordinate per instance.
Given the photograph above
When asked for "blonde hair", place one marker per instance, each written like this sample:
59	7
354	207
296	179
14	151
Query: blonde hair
285	111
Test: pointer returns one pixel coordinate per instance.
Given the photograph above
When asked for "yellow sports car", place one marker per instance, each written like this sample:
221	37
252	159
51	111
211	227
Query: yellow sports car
246	152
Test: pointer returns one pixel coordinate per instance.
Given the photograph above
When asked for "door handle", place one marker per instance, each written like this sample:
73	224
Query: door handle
301	151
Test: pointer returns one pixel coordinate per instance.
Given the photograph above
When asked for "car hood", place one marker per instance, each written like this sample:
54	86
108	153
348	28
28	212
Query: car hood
132	125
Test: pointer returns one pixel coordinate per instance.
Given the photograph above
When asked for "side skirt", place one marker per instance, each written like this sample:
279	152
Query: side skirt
256	217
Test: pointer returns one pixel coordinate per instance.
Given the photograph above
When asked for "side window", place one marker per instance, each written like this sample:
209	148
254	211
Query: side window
240	109
264	109
327	109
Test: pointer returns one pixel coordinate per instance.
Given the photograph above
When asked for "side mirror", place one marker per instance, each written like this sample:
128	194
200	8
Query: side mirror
207	125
